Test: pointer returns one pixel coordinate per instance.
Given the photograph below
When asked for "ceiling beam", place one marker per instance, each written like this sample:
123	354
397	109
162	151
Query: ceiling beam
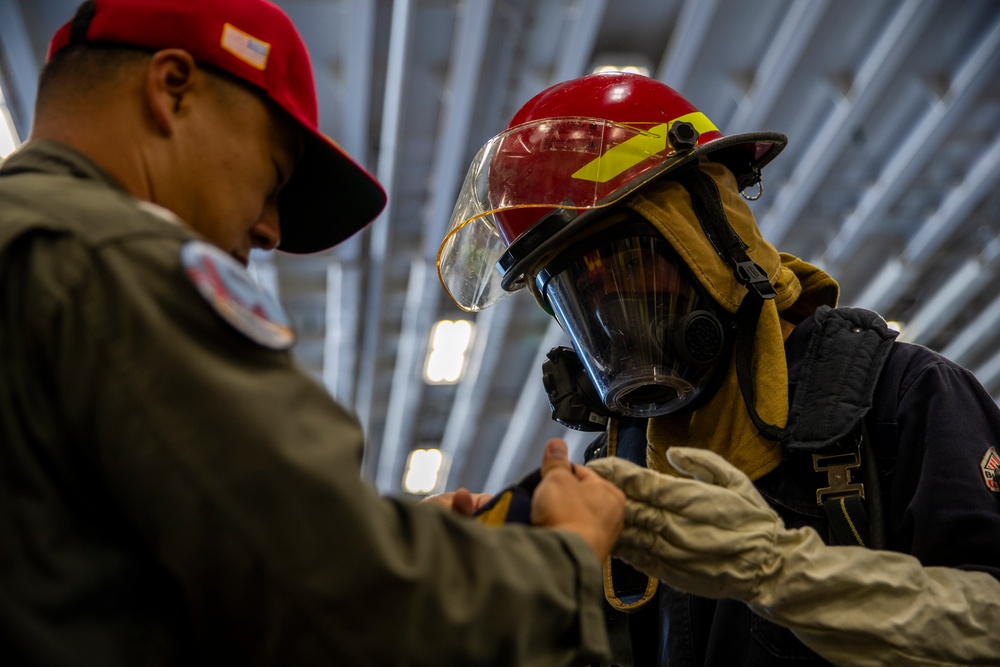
340	338
584	22
974	338
574	53
878	69
956	206
941	308
400	47
474	388
980	179
531	410
943	115
686	39
345	303
795	33
407	382
885	288
447	171
357	34
491	325
988	373
20	78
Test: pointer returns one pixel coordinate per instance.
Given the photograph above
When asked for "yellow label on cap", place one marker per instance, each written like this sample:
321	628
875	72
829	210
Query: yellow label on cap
246	47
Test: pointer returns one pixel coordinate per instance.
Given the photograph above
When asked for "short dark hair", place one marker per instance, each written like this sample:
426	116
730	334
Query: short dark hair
82	66
86	66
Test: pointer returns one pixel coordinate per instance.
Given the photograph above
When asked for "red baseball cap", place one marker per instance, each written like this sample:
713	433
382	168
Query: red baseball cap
330	196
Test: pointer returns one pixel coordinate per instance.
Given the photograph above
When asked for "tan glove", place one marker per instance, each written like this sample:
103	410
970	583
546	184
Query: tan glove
715	536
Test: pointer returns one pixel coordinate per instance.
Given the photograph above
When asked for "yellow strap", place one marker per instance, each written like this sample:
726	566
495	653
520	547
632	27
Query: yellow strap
850	524
497	515
612	597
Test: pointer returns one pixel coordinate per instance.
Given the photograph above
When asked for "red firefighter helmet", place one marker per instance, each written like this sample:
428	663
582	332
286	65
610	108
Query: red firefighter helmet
576	147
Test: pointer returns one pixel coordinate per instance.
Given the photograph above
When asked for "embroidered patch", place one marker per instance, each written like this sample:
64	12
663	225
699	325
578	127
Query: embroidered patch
246	47
991	470
232	292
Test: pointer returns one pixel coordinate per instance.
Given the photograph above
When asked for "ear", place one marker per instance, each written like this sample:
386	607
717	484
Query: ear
170	78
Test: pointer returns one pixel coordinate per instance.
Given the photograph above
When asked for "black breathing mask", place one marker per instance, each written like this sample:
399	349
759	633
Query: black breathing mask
650	340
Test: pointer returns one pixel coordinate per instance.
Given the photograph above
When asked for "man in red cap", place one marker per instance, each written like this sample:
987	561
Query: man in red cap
173	490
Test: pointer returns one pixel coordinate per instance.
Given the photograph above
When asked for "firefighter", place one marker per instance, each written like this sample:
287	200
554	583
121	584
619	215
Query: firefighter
802	489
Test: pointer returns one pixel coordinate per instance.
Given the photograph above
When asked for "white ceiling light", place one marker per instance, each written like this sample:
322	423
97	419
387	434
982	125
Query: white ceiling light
446	353
635	63
424	471
8	133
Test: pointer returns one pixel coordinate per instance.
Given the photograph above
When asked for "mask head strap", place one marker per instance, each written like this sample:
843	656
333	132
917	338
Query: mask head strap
707	205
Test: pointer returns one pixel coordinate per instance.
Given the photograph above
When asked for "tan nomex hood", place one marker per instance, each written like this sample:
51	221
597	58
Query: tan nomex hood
723	424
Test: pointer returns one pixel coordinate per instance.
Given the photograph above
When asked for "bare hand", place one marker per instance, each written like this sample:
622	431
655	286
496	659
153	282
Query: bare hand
577	499
461	501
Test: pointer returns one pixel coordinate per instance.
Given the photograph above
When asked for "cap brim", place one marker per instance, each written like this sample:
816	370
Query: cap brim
329	198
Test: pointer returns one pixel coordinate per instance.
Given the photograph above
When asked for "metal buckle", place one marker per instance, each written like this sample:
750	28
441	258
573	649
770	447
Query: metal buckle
838	470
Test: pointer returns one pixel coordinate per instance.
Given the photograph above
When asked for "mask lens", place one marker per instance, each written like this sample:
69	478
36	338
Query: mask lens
642	326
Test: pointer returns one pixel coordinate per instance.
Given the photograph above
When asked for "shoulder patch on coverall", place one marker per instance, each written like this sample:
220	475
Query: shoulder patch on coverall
233	294
991	470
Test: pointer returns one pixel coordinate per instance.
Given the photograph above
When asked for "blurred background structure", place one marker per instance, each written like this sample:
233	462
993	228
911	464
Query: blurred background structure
889	182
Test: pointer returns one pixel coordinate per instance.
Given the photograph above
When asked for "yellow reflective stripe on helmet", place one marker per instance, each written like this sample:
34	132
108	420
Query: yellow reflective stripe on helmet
699	120
625	155
631	152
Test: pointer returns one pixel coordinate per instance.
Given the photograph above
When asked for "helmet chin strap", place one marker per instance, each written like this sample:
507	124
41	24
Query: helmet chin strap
707	205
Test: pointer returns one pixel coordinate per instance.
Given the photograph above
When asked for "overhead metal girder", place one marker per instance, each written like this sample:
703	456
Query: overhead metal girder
491	324
407	385
515	442
399	54
941	308
474	387
988	373
682	49
791	39
881	64
978	70
884	288
976	335
979	180
344	300
574	56
20	78
447	171
532	408
340	344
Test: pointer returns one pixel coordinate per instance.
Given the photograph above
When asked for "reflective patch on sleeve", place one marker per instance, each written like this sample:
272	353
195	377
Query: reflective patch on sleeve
233	294
991	470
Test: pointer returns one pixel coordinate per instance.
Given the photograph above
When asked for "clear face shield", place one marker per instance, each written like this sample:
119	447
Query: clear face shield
568	164
648	336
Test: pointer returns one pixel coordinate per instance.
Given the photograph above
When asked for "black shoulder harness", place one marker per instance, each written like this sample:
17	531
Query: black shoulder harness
845	356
